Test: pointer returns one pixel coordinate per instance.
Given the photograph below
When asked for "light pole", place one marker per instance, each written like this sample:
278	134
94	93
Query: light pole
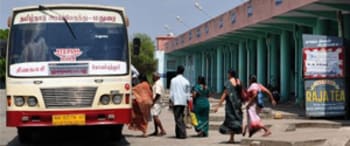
168	30
200	8
178	18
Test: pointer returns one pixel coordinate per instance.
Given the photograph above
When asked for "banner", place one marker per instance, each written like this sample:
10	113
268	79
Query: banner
325	97
323	70
323	57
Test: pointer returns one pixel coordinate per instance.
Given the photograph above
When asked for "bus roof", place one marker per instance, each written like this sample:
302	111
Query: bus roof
114	8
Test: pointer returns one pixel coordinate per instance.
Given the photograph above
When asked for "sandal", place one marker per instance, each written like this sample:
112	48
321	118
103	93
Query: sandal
162	134
266	134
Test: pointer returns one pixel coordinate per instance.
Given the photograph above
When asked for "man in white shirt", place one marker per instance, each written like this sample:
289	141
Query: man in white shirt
180	94
158	91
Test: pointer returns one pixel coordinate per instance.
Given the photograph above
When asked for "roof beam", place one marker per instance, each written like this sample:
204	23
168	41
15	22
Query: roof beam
266	29
281	26
343	7
306	21
253	33
332	15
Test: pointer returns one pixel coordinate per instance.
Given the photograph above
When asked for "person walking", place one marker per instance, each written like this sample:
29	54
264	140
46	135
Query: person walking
255	91
233	114
141	106
201	107
180	95
158	91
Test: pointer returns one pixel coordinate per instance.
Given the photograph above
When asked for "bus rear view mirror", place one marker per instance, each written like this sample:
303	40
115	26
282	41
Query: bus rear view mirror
137	46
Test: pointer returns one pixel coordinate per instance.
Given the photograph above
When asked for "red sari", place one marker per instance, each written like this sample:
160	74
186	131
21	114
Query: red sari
141	106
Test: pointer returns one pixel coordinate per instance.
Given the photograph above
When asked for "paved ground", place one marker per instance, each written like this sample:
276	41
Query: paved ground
291	130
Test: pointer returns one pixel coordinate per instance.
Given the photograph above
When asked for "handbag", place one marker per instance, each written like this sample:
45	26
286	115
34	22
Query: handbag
194	119
260	99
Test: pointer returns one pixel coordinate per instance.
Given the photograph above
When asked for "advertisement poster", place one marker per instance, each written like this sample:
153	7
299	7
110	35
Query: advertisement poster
323	57
325	97
323	71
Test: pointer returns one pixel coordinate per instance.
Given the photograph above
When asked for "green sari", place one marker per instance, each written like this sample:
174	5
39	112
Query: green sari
201	109
233	113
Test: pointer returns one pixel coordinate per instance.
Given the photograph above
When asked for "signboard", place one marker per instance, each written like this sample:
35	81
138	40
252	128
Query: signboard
323	70
323	57
71	15
325	97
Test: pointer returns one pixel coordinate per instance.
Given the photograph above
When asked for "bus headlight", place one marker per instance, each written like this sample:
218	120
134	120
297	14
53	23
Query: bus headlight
19	100
104	99
32	101
117	99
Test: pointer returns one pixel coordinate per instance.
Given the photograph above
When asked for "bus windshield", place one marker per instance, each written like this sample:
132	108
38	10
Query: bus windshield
43	45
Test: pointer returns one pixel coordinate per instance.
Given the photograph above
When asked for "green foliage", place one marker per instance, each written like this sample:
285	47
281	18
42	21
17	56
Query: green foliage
145	62
2	68
4	34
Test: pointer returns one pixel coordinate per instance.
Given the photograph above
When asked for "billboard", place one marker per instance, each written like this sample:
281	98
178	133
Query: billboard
325	97
323	57
323	71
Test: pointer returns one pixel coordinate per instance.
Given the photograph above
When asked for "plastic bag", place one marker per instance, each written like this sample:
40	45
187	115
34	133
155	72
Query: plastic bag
194	120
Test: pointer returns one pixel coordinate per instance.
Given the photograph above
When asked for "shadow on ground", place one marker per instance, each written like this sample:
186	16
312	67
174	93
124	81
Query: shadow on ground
78	142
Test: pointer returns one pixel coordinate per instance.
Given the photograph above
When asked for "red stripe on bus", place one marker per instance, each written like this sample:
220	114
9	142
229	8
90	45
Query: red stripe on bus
14	118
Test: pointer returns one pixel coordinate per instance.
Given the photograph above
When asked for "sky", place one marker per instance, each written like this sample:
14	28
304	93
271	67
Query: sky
146	16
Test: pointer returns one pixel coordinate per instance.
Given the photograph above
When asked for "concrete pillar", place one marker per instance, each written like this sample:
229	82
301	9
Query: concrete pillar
197	66
234	57
346	34
346	25
219	69
285	65
299	66
211	70
252	57
203	63
321	27
274	61
261	61
242	67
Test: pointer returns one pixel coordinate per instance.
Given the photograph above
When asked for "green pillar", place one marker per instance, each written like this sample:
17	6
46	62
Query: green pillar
219	69
252	57
203	63
320	27
346	25
242	67
274	61
299	66
346	34
261	61
212	75
285	65
234	57
197	65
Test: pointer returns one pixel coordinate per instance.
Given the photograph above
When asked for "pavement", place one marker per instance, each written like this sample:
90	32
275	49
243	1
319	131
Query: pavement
290	127
287	122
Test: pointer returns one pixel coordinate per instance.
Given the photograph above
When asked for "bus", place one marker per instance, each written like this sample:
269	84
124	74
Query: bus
68	66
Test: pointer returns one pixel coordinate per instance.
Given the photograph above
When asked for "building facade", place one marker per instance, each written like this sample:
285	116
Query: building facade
261	37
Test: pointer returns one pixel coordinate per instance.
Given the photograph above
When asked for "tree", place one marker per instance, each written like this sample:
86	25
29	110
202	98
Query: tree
3	34
144	62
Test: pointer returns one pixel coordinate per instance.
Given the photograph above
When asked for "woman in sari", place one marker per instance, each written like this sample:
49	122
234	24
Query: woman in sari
201	107
255	123
142	104
233	114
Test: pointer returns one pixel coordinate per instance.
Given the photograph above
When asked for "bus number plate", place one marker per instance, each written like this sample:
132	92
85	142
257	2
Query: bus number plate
68	119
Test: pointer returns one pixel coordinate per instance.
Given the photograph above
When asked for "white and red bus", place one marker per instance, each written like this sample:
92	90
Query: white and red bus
68	66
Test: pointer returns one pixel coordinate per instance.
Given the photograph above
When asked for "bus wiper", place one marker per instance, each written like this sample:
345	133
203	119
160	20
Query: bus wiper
42	8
